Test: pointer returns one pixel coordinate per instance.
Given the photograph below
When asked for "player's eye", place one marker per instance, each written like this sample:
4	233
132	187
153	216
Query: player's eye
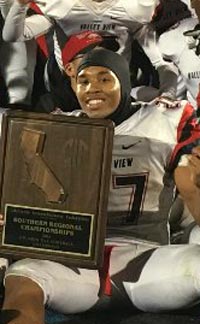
105	79
83	81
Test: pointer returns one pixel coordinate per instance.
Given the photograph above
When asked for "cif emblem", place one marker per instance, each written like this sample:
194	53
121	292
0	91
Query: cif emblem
40	174
76	151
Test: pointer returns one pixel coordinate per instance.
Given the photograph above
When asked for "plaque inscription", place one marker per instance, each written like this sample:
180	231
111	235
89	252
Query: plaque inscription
48	230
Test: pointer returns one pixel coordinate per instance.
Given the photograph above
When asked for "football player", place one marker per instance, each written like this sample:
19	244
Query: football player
152	145
125	19
16	71
170	23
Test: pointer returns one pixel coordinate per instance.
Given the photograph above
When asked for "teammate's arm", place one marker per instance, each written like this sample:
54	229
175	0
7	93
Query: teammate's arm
19	27
167	71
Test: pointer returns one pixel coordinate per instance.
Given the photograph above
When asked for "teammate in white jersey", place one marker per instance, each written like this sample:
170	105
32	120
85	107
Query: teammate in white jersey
173	18
170	23
194	33
148	144
125	18
16	70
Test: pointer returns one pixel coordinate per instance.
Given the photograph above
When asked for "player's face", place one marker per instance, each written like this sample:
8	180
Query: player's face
71	70
71	67
98	91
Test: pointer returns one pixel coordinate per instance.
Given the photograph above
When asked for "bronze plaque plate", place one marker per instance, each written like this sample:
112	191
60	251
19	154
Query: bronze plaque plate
55	176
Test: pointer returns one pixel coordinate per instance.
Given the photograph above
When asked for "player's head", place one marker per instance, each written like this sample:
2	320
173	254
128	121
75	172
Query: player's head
103	85
74	47
168	14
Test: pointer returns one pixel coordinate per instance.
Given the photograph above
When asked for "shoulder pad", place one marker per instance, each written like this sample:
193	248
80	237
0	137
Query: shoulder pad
140	10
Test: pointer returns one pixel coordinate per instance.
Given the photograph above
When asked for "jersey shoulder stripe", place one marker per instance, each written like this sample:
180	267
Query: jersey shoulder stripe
188	135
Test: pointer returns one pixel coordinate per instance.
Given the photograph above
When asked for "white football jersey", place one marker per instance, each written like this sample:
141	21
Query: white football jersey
17	66
141	190
124	18
127	19
174	47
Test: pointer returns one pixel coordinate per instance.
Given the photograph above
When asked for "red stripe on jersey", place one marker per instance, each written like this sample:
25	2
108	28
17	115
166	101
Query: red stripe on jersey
35	7
194	131
198	103
157	10
41	40
187	113
105	282
198	99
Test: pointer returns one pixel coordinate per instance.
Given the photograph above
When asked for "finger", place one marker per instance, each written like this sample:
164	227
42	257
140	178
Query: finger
192	45
195	177
167	102
193	33
197	180
195	162
2	223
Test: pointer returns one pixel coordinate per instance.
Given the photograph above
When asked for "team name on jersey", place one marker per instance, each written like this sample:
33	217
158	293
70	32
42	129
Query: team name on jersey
97	26
194	75
123	163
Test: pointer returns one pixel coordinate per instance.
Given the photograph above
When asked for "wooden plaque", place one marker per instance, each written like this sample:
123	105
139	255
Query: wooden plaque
55	176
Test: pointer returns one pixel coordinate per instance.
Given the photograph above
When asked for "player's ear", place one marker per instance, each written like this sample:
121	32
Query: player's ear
69	69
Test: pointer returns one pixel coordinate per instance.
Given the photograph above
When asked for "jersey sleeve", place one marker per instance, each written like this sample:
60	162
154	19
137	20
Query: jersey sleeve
198	103
188	135
5	7
167	71
141	10
19	27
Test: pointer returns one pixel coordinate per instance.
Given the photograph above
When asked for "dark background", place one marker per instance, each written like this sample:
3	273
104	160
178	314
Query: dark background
122	317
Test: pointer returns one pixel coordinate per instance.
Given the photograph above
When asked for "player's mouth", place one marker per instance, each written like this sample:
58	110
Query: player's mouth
94	103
